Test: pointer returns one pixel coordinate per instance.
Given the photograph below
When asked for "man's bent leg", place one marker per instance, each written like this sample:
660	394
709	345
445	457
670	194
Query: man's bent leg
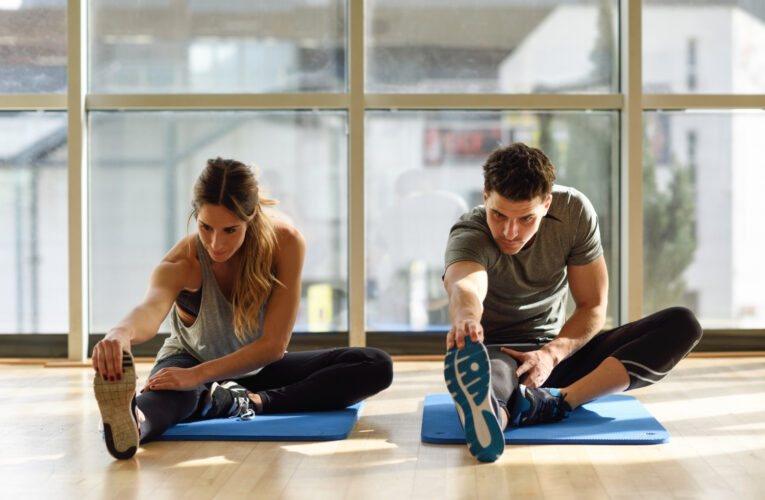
609	377
504	382
628	357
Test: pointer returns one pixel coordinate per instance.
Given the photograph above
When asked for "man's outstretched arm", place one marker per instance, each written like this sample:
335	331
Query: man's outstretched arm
466	284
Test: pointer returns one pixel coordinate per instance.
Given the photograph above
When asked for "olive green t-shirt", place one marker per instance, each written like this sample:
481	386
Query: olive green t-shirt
527	292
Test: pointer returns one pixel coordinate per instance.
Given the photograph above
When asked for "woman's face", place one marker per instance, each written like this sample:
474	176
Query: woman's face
221	231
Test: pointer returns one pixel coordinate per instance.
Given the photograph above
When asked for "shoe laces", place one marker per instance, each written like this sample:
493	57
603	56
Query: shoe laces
545	407
241	407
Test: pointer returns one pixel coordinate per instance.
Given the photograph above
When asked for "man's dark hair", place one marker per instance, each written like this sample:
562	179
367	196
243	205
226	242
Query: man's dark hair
518	172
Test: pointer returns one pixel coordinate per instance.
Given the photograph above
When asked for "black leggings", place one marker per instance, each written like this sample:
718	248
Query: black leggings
326	379
648	348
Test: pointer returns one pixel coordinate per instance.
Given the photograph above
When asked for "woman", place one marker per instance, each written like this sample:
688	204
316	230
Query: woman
232	291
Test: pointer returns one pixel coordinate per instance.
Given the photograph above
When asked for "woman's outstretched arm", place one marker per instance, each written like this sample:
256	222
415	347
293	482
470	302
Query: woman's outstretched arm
143	321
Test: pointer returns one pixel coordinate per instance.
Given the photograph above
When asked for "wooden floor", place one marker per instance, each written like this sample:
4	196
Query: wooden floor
714	409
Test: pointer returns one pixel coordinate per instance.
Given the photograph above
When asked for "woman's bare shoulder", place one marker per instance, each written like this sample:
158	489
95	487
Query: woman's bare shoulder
290	249
288	236
185	250
182	259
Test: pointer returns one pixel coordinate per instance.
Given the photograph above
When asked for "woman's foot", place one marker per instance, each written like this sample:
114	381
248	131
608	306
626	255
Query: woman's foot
116	402
228	399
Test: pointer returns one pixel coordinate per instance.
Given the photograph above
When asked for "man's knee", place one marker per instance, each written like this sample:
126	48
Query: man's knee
502	370
684	325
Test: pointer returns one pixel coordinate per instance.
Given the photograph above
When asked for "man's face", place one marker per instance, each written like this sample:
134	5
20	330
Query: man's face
513	224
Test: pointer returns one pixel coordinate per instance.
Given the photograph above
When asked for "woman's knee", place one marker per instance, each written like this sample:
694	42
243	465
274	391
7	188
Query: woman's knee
376	364
383	366
163	409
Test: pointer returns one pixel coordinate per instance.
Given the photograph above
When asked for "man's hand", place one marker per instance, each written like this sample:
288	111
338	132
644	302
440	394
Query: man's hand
536	365
173	378
458	332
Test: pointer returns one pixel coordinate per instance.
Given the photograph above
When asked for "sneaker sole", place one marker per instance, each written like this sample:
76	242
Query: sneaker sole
468	379
116	401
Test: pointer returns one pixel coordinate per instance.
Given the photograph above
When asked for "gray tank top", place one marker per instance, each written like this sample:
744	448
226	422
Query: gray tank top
211	336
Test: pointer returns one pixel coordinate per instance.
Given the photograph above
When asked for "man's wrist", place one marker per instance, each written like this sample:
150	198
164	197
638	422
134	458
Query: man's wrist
556	350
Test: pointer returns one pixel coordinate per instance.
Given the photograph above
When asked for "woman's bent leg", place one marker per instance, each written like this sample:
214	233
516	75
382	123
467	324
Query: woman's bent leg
326	379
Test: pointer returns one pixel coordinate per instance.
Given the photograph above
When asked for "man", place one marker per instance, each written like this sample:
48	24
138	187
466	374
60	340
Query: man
513	359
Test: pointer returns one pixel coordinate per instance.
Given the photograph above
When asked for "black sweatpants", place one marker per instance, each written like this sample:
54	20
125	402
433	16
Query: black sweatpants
648	348
326	379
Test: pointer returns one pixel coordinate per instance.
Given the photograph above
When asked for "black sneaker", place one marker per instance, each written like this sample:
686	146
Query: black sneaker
116	401
228	399
468	379
538	406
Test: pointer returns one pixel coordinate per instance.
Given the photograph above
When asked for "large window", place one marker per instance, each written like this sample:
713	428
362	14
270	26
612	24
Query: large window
369	121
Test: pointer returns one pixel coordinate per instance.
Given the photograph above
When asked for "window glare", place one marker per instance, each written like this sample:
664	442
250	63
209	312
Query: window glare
710	47
221	47
34	292
143	165
33	47
491	46
424	170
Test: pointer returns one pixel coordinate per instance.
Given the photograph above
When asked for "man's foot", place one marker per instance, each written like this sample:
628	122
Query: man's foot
228	399
116	401
538	406
468	379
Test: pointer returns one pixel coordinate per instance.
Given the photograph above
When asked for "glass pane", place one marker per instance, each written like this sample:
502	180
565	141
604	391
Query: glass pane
424	170
34	290
705	47
492	46
196	46
704	235
143	165
33	47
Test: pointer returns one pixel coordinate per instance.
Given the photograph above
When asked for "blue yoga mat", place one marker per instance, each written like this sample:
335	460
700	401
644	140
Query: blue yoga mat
614	419
309	426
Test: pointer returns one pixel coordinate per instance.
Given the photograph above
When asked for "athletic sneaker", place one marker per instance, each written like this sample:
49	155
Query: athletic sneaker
468	379
228	399
116	401
538	406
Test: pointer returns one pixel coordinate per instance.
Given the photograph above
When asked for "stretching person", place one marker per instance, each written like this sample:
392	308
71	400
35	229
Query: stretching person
232	291
509	267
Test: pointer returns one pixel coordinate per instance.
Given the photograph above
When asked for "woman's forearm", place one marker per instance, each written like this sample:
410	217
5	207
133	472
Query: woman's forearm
250	357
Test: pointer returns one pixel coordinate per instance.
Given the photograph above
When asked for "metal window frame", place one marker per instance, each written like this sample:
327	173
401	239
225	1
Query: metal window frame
630	102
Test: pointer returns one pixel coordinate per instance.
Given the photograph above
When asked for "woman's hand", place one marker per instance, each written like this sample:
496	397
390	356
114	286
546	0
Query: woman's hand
174	379
107	356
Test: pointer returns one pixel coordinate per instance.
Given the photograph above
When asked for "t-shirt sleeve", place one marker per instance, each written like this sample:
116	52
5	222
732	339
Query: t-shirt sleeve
468	243
585	245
